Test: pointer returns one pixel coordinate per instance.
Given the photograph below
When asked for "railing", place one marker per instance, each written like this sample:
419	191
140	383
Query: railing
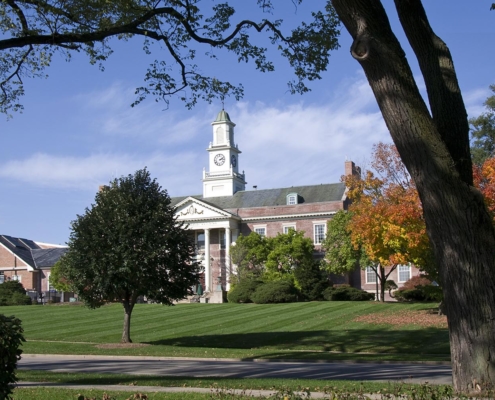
223	173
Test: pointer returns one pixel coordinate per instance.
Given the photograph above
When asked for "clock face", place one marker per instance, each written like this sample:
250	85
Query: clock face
219	159
233	160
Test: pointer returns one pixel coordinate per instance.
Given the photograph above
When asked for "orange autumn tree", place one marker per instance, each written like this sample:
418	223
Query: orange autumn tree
387	218
484	180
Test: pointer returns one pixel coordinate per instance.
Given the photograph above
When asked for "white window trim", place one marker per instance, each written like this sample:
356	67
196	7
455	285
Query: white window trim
286	227
370	271
292	196
255	227
315	224
398	273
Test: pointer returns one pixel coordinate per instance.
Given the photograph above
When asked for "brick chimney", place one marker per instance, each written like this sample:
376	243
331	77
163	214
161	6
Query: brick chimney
352	169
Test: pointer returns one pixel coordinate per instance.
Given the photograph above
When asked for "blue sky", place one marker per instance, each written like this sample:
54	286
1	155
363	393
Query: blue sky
78	130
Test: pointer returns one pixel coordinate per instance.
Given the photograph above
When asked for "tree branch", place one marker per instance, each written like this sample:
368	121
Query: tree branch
20	15
114	30
441	82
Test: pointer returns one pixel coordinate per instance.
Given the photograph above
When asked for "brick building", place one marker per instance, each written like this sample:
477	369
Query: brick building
226	209
28	262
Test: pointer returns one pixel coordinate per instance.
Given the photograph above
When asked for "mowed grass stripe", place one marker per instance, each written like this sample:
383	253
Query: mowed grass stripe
179	323
288	319
97	326
258	317
227	319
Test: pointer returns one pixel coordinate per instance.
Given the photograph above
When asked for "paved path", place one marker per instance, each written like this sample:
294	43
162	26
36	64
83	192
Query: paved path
437	373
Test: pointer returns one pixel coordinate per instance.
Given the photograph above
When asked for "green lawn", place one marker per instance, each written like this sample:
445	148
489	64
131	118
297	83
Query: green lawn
315	330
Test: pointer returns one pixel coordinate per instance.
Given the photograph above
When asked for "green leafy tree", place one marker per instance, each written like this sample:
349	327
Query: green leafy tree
341	255
56	278
483	132
129	244
248	254
270	258
286	253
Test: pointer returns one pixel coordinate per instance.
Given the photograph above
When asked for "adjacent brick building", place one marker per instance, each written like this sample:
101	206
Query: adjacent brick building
28	262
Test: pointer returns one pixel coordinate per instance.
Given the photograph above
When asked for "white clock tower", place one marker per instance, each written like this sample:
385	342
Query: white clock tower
223	177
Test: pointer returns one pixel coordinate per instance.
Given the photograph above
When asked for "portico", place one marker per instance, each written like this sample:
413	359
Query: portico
214	230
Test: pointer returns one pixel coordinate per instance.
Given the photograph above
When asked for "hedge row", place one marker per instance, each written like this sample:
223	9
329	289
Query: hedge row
12	293
284	291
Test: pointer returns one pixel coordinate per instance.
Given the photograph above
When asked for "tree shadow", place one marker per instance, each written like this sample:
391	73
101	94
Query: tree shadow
426	341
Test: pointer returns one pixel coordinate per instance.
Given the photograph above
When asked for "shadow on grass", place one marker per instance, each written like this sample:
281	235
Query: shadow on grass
424	341
56	379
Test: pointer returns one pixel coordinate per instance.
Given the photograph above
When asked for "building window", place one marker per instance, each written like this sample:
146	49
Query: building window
49	286
260	230
404	273
292	199
319	233
2	277
200	241
221	239
287	228
370	275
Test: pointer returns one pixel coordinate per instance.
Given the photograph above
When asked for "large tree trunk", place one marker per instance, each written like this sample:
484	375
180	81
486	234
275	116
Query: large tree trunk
126	332
436	154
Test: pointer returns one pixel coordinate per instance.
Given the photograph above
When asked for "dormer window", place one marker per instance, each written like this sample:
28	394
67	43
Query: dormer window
291	199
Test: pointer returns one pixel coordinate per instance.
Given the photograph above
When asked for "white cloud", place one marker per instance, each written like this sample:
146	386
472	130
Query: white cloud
112	116
474	100
307	144
282	145
87	173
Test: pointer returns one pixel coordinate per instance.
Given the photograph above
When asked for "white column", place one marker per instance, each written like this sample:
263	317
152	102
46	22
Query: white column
207	262
227	258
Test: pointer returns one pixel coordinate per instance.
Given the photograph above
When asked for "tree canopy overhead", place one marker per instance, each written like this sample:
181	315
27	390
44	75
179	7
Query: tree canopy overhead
35	30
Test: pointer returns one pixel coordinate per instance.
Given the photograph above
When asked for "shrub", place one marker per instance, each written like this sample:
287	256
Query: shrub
281	291
347	293
242	292
420	280
12	293
418	288
419	293
10	339
312	281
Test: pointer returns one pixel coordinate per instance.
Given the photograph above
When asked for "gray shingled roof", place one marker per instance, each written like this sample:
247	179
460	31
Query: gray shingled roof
32	254
44	258
274	197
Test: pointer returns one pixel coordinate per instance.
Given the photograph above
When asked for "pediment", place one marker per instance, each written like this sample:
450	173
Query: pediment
193	209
